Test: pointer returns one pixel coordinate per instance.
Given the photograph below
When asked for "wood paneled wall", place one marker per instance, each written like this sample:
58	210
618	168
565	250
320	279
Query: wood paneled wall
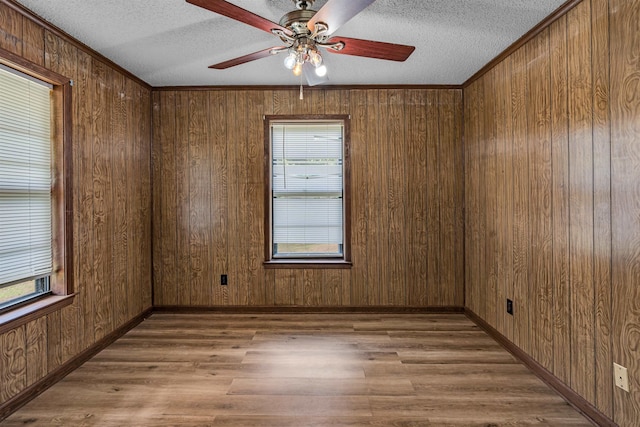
552	143
407	187
112	206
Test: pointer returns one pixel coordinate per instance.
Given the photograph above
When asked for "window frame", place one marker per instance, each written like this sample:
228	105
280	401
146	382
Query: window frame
307	262
61	279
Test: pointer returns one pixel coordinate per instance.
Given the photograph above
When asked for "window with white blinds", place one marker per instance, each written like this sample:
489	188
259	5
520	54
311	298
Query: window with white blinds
307	171
25	180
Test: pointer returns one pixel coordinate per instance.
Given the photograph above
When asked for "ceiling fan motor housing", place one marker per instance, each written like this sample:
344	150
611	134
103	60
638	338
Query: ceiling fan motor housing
296	20
303	4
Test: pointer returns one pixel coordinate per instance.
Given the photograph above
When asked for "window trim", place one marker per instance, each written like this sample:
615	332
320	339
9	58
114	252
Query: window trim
61	279
308	262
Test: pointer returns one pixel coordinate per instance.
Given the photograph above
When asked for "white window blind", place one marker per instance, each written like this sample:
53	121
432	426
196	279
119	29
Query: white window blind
307	183
25	177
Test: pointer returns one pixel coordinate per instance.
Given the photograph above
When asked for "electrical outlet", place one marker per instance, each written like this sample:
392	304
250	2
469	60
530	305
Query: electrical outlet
621	377
509	306
223	280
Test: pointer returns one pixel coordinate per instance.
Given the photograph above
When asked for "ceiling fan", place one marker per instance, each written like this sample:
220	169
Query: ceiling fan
304	31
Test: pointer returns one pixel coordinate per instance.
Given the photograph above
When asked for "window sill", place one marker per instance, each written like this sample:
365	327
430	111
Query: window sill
307	263
41	307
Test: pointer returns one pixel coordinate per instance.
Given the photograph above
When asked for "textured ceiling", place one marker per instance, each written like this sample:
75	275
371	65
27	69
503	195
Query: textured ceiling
171	42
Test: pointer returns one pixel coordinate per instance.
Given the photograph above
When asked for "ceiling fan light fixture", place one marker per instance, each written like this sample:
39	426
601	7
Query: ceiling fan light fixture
315	58
321	71
290	61
297	69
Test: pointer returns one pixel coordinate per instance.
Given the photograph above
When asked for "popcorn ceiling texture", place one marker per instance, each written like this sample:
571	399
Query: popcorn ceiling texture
171	42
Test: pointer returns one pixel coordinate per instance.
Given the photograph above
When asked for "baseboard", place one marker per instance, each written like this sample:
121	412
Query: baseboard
281	309
62	371
573	398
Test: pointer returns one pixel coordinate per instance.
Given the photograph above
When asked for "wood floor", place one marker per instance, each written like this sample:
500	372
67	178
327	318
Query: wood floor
294	370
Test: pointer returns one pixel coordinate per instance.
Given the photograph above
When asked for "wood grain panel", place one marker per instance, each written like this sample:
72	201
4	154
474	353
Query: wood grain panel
233	197
625	193
36	343
13	360
470	115
181	250
489	182
540	233
452	197
32	42
520	200
201	280
359	199
134	227
377	237
312	287
167	275
219	188
54	340
337	102
120	224
395	141
331	287
457	240
255	199
10	29
504	197
432	193
102	199
602	204
560	199
142	113
416	211
83	219
285	282
157	208
581	200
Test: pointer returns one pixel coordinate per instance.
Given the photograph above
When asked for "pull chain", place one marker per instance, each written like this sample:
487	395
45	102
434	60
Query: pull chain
301	94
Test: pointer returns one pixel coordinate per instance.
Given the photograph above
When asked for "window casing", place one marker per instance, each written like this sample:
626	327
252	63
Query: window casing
307	191
35	191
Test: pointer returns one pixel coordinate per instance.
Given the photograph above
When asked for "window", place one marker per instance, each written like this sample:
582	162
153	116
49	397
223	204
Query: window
35	214
307	194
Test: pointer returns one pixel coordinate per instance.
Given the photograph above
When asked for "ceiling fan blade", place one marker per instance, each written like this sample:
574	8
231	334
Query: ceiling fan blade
372	49
313	79
337	12
246	58
232	11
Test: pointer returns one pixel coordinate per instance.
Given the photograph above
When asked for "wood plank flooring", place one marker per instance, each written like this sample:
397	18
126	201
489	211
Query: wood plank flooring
301	370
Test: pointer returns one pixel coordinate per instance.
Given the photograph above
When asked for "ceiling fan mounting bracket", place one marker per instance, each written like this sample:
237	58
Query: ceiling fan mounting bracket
303	4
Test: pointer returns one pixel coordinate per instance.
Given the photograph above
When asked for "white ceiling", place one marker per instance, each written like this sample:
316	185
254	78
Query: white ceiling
171	42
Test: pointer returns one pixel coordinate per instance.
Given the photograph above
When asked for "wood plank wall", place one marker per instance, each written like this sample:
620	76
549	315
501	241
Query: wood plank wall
407	186
552	143
112	206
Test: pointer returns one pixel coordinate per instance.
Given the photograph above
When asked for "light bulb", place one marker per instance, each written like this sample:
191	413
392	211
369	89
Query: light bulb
315	58
290	61
297	70
321	71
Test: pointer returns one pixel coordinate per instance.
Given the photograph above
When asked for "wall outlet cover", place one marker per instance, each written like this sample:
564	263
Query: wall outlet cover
621	377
